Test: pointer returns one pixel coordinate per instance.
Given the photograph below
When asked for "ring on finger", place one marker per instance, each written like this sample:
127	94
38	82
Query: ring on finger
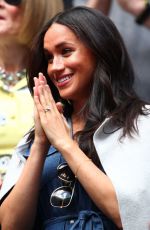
47	109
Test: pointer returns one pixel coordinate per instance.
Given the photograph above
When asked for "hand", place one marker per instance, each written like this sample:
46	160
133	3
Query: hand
40	136
134	7
52	121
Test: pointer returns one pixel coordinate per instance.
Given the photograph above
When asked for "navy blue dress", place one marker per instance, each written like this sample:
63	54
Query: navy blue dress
81	214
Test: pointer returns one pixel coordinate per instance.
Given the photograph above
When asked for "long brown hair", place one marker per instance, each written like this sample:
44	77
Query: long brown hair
112	92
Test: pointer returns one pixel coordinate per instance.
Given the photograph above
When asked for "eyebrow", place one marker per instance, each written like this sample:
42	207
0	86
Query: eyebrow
60	45
63	43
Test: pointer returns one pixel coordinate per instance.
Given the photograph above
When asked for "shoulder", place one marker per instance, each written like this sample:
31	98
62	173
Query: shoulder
107	132
126	162
110	147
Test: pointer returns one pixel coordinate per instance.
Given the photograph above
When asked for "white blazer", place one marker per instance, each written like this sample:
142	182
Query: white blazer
125	161
127	164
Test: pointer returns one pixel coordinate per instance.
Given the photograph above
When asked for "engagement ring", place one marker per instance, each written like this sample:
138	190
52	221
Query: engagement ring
47	109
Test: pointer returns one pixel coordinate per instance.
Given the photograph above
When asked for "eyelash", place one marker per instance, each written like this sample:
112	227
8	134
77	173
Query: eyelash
65	52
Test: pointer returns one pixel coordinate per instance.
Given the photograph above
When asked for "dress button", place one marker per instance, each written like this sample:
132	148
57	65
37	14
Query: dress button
71	221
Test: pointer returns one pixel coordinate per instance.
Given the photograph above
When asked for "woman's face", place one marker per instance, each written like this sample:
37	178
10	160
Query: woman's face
70	63
10	19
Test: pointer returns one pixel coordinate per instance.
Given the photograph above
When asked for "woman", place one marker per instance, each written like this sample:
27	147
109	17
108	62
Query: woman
88	124
19	23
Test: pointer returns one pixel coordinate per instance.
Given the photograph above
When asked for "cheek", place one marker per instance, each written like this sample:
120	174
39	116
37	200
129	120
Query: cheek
13	11
90	63
74	61
85	60
15	15
87	66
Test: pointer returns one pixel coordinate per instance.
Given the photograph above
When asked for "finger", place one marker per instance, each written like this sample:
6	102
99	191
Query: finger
60	107
42	78
35	88
46	96
39	108
68	128
49	98
35	95
35	91
37	83
39	91
42	96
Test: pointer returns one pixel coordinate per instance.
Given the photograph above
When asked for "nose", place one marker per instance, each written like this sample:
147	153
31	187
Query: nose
1	2
58	64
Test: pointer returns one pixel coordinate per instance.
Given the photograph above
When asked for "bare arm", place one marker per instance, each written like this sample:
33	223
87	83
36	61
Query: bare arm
19	209
134	7
103	5
94	181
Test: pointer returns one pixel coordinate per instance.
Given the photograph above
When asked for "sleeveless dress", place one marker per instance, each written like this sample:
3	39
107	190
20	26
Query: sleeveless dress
81	214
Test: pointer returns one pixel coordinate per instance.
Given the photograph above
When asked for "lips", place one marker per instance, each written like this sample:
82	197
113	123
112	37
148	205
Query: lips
2	18
63	80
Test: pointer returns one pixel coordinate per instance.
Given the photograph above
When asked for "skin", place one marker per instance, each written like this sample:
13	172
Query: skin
10	19
67	56
134	7
51	128
76	59
10	47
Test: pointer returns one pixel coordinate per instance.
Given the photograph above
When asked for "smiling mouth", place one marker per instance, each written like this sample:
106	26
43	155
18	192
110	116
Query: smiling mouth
60	80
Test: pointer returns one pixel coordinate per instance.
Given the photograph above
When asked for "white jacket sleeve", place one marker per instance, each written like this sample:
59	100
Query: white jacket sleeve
15	168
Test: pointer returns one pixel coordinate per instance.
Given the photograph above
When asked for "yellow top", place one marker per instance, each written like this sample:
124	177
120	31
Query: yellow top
16	118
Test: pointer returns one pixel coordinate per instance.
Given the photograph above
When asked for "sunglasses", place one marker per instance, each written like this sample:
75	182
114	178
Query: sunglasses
13	2
62	196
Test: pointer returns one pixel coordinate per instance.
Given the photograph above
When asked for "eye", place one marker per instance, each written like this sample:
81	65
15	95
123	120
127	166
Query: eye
50	59
66	52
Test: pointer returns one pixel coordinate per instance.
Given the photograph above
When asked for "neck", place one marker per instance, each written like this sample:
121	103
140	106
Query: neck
13	57
12	64
78	105
78	118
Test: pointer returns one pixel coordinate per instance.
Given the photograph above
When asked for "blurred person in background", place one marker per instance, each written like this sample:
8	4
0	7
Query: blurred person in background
19	23
68	4
132	18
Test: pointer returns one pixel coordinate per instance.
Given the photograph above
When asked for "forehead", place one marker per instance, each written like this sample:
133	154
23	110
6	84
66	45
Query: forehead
58	34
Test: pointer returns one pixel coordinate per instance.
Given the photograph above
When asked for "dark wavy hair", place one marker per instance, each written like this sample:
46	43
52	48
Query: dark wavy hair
112	92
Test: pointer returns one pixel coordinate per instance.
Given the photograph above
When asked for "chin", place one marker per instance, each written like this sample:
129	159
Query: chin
65	95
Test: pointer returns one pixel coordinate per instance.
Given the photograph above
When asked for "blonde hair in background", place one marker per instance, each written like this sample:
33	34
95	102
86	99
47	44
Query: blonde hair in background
35	15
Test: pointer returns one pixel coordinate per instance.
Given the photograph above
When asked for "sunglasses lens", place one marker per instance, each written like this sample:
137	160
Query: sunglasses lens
61	197
13	2
65	173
